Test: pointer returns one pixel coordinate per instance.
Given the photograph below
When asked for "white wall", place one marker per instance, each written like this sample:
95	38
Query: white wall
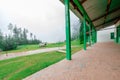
104	35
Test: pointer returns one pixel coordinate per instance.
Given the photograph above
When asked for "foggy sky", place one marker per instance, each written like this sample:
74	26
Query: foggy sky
44	18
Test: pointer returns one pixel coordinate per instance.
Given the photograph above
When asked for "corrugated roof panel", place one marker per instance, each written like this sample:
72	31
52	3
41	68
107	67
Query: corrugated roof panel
114	4
101	12
91	7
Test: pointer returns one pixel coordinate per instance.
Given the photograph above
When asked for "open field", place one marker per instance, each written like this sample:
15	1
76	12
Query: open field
18	68
23	48
21	67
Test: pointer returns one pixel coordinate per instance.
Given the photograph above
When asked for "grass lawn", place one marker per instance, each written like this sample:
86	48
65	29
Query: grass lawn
21	67
23	48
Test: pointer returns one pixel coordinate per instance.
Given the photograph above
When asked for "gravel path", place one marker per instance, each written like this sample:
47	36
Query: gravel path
100	62
13	55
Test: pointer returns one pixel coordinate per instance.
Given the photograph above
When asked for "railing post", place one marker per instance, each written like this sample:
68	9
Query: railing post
68	34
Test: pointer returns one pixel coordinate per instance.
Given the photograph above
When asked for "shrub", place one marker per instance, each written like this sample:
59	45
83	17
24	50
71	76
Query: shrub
8	43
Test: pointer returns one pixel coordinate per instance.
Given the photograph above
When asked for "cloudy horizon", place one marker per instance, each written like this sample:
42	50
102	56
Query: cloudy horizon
44	18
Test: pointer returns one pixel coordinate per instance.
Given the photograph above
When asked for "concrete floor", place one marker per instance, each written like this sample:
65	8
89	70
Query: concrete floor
99	62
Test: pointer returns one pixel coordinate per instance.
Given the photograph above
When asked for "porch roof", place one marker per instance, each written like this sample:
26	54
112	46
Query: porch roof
101	13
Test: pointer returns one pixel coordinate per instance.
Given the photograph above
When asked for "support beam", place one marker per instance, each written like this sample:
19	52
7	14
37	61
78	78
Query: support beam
68	33
117	35
84	25
82	10
108	7
93	41
83	1
110	12
89	35
95	36
108	21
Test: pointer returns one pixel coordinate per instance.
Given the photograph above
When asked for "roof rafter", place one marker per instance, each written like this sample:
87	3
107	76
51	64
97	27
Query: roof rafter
83	1
107	10
82	10
110	12
108	21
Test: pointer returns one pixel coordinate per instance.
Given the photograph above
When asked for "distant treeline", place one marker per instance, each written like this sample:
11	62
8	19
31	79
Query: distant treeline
17	36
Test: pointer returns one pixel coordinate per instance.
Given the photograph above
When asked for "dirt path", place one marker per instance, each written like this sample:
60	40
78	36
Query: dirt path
100	62
13	55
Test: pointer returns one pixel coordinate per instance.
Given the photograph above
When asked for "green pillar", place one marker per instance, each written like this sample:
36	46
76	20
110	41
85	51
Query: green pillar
68	35
95	36
92	35
84	24
89	35
117	35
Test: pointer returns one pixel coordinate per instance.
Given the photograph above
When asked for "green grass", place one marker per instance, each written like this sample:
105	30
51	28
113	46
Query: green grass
23	48
21	67
58	44
76	49
75	43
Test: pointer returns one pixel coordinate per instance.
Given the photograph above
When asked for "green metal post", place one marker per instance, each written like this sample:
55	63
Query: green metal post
90	35
84	24
68	34
95	36
117	35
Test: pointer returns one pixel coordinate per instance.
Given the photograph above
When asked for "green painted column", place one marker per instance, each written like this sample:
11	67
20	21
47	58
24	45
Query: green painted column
95	36
89	35
84	25
117	35
68	33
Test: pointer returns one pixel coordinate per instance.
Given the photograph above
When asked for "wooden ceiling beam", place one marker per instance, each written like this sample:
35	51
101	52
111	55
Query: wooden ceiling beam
75	7
83	1
108	7
110	12
108	21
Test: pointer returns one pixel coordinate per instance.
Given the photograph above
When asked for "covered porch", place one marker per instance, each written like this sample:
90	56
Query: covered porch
94	16
99	62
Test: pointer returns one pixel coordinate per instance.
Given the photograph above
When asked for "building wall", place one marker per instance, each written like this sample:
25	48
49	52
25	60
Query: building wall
104	35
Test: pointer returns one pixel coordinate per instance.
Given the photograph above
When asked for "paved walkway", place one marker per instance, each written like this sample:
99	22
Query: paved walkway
100	62
13	55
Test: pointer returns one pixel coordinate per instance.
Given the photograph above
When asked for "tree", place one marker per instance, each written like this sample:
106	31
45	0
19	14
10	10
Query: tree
25	31
1	35
16	34
10	27
76	30
1	39
8	43
31	36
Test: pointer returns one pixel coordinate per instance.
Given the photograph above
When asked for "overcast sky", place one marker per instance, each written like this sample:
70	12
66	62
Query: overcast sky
44	18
